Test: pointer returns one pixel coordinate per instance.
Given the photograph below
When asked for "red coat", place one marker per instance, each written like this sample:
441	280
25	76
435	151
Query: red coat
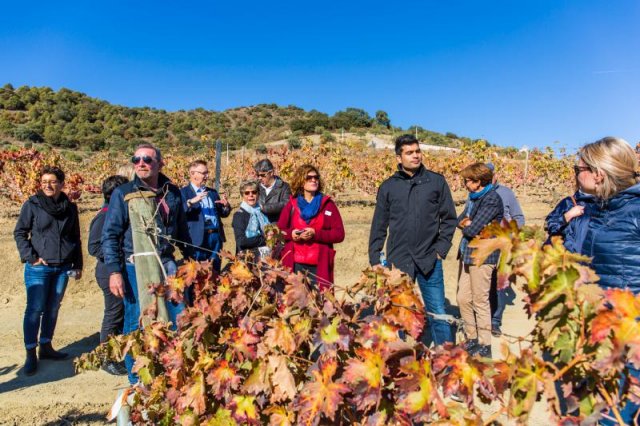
330	231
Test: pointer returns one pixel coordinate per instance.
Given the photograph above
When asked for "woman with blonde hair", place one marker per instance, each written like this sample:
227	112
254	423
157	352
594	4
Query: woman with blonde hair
311	225
610	169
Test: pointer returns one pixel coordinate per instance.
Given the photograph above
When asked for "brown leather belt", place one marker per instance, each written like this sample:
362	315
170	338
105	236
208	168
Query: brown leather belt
210	231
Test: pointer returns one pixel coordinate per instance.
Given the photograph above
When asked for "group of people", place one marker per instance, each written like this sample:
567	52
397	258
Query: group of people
145	216
416	216
134	235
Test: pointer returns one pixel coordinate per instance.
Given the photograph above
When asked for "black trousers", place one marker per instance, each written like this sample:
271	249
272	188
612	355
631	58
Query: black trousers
113	311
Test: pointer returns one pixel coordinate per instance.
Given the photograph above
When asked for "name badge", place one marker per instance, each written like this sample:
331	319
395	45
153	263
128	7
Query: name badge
327	212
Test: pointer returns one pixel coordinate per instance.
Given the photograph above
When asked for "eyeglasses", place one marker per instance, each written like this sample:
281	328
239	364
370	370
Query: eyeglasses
136	159
579	169
202	173
265	174
250	192
312	177
49	182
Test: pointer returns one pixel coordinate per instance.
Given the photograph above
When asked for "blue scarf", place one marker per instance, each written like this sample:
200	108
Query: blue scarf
257	221
309	210
474	196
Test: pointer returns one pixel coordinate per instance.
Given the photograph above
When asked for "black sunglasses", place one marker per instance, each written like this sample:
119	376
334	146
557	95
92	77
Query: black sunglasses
147	160
312	177
579	169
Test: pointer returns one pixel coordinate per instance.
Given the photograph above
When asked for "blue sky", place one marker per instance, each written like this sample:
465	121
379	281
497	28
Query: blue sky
514	72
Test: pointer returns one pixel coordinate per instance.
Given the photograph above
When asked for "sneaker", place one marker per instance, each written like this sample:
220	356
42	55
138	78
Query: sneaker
114	368
470	345
483	351
495	331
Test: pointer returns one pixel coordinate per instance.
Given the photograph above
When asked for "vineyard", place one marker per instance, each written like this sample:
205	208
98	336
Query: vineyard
350	168
261	346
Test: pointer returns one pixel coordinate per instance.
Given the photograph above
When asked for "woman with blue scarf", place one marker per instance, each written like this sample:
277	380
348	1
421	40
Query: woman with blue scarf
249	222
311	225
483	206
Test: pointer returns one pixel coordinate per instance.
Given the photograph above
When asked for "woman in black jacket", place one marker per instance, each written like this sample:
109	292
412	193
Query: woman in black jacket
48	239
113	316
249	222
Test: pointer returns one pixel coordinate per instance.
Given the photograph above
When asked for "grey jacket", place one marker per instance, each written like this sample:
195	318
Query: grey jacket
512	209
272	204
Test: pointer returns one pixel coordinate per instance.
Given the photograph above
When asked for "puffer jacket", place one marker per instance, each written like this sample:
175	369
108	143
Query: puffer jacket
574	231
613	240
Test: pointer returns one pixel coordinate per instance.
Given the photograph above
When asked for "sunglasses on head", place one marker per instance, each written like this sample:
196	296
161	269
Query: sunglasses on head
136	159
312	177
250	192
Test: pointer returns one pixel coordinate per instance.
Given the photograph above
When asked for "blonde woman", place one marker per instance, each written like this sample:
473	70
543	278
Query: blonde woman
609	169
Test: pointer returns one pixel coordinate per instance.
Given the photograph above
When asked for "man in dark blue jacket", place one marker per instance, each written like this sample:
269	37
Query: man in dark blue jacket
117	236
416	207
204	209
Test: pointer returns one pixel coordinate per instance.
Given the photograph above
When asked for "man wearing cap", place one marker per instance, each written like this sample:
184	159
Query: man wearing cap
204	210
274	192
512	211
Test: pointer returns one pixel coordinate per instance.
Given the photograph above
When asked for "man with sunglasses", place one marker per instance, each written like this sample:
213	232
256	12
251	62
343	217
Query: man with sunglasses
274	192
204	209
118	237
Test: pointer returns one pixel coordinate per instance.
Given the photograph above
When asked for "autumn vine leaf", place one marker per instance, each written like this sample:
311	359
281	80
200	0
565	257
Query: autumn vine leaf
496	236
321	395
365	375
618	317
418	390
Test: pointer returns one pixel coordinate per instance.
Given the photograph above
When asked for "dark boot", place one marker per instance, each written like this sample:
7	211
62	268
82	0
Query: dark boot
31	364
47	352
470	345
483	351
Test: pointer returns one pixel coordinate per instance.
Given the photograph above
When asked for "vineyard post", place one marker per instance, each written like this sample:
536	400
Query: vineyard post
525	149
218	163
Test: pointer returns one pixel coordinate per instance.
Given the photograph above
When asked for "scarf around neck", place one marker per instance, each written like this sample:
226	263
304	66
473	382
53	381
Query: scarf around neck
257	220
309	210
56	208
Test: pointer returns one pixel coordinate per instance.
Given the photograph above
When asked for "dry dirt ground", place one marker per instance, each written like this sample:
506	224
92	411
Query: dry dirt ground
56	396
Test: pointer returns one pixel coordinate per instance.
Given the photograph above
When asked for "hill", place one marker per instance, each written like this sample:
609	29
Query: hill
73	120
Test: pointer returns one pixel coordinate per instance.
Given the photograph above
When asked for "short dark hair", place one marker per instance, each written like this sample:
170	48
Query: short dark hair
263	166
405	140
111	183
479	172
53	170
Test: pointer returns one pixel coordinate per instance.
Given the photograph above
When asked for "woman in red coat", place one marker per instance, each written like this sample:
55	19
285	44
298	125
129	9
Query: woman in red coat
311	224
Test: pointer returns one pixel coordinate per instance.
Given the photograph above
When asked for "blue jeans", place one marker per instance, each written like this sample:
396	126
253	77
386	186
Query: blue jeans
211	242
432	289
45	289
132	309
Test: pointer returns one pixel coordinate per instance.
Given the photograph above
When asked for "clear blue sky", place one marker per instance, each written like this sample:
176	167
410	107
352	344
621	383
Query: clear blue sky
514	72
